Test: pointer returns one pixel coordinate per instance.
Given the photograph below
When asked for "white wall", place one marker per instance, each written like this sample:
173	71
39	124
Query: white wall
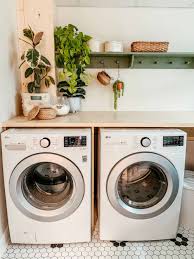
8	85
145	89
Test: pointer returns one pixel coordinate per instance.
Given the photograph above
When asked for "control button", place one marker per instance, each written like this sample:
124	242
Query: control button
45	142
145	142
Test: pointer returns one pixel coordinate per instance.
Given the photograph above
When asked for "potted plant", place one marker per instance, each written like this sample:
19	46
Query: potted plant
37	65
72	56
118	90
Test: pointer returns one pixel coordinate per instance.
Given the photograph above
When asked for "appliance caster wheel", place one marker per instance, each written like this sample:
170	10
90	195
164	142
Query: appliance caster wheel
60	245
56	245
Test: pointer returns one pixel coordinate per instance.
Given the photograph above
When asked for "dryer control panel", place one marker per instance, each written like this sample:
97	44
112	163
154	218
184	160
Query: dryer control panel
173	141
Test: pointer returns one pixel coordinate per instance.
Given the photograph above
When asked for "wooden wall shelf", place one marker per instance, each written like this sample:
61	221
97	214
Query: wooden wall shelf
141	60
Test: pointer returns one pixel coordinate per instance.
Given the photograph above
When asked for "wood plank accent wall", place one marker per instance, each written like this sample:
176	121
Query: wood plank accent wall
39	14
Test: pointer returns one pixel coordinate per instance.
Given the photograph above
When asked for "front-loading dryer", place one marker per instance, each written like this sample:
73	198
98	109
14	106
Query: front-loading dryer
141	181
47	175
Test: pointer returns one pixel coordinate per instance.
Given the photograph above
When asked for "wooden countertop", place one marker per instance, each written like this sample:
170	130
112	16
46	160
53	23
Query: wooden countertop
109	119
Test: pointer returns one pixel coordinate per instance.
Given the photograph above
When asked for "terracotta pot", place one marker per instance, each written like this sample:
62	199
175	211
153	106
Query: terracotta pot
104	78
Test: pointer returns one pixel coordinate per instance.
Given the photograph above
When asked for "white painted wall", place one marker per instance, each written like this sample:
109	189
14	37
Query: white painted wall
145	89
8	85
127	3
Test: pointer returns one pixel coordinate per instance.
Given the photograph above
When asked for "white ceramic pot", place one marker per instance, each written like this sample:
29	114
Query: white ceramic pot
113	46
75	104
96	45
62	110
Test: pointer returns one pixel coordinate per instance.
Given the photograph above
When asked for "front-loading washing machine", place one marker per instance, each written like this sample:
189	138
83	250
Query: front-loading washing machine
141	182
47	175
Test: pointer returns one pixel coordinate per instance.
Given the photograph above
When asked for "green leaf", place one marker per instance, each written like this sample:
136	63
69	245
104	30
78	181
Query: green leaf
52	80
81	91
23	56
38	38
87	60
32	57
47	82
41	66
63	84
28	72
31	87
28	33
45	61
87	38
37	77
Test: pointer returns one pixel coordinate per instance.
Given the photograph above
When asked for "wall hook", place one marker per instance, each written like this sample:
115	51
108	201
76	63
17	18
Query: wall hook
102	63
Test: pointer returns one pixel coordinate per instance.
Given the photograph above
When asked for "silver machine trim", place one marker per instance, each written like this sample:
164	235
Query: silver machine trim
172	190
15	188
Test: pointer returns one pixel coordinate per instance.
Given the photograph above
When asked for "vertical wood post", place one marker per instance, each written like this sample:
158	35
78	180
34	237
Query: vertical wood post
39	14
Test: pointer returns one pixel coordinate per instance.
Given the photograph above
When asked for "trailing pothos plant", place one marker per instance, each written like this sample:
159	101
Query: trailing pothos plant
118	89
38	66
72	56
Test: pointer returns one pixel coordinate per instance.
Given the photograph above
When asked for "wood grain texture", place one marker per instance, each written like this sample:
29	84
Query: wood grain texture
110	119
40	16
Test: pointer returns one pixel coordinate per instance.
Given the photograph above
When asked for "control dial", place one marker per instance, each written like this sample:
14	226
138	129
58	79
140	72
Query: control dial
45	142
145	142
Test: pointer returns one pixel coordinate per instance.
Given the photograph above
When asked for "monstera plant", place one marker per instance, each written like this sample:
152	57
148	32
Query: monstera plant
38	66
72	56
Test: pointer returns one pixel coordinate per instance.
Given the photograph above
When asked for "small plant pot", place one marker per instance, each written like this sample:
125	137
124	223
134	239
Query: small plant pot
75	104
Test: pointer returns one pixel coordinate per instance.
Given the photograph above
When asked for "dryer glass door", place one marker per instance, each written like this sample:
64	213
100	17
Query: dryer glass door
47	187
142	185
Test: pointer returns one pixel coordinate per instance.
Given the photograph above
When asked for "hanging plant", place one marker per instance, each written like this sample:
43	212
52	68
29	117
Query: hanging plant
38	65
118	89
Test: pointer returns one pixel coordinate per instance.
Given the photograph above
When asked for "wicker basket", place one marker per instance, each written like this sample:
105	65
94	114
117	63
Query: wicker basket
47	114
145	46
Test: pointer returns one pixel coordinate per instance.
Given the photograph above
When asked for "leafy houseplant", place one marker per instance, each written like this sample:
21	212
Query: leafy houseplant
38	66
72	56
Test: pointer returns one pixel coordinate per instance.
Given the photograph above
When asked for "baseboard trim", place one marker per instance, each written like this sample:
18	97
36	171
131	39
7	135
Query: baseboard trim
4	241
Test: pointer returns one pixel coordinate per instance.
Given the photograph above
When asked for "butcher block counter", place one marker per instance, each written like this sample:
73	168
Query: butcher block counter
109	119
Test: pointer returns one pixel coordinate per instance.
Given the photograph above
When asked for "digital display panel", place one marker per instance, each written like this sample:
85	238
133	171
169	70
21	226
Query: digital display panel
173	141
36	98
76	141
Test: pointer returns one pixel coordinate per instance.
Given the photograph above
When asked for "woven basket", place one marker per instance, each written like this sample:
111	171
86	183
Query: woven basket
47	114
144	46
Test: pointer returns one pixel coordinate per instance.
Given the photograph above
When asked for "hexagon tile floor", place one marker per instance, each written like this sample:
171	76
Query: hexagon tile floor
181	248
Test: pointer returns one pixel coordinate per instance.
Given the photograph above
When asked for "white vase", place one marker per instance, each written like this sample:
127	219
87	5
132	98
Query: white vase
75	104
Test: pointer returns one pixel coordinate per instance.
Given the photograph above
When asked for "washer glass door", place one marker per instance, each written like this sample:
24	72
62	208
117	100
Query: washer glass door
47	187
142	185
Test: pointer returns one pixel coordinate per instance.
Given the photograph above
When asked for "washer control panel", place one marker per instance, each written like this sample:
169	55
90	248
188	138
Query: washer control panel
76	141
145	142
45	142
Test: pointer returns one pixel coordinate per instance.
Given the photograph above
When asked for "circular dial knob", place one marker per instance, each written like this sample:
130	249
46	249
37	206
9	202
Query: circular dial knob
145	142
45	142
